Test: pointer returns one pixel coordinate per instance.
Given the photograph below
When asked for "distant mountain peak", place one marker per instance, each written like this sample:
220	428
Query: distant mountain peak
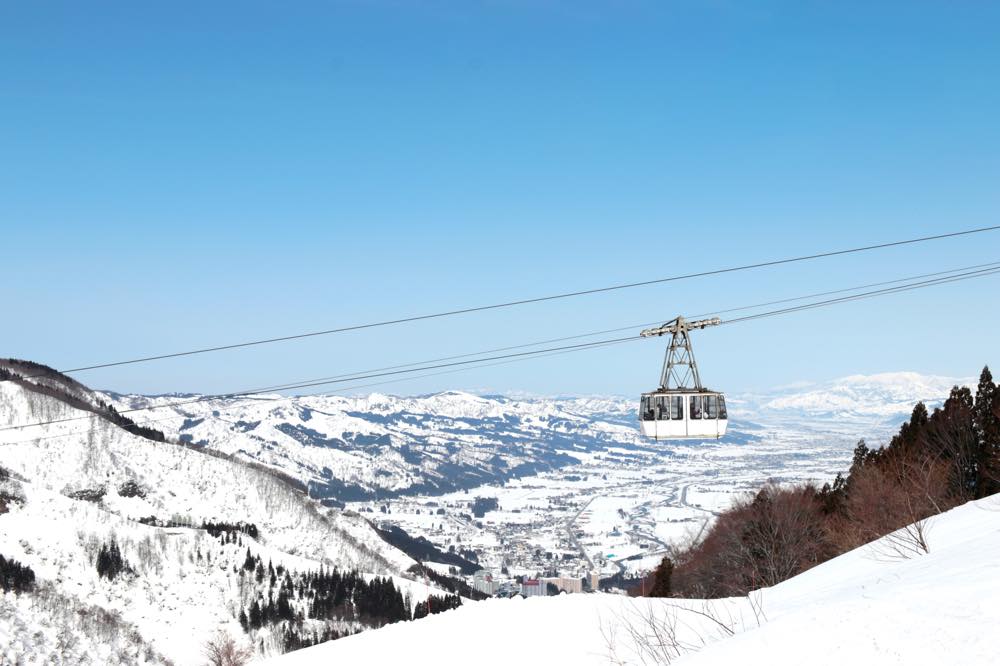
884	394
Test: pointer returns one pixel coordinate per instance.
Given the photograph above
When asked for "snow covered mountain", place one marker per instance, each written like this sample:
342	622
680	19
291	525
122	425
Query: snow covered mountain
82	489
868	606
886	396
382	446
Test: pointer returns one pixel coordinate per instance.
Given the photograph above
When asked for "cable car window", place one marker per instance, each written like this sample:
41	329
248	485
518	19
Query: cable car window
696	407
722	408
676	407
662	409
711	407
646	408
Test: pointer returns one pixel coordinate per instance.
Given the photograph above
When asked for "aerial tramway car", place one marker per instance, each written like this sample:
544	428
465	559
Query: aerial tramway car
676	410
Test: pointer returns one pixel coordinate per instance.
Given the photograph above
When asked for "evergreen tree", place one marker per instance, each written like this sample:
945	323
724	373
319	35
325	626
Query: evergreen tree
987	428
661	578
14	576
110	562
255	619
955	417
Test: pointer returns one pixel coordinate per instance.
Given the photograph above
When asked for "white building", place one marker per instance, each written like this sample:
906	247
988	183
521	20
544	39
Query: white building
483	582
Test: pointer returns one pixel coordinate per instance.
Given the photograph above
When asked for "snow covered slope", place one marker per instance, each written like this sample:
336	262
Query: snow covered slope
864	607
175	481
81	483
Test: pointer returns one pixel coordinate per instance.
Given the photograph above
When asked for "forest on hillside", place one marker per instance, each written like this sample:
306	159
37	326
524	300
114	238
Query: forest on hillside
936	462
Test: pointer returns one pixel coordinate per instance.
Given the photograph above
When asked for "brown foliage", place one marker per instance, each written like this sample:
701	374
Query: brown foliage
900	491
936	462
759	542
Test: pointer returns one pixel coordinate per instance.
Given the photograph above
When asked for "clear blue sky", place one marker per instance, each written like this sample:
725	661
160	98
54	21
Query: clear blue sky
189	174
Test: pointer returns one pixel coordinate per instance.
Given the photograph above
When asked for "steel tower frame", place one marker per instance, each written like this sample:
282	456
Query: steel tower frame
679	364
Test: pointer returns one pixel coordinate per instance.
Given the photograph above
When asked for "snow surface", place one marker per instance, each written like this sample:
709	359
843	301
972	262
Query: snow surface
864	607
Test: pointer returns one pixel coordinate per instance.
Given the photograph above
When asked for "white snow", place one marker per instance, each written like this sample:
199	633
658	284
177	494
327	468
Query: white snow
864	607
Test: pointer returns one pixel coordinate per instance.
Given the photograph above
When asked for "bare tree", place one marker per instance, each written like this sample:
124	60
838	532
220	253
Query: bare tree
222	650
657	634
893	500
922	491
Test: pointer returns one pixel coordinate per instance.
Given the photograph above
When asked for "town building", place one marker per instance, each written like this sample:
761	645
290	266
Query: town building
483	581
533	588
571	585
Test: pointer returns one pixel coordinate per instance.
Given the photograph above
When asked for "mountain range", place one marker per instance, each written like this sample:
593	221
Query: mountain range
207	508
381	446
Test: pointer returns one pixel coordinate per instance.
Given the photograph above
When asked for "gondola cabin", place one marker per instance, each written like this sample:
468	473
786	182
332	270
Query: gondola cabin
683	414
681	408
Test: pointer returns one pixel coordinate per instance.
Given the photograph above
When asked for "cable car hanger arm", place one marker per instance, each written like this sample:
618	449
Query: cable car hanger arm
678	325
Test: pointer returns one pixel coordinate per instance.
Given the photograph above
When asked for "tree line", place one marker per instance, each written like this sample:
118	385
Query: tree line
454	585
327	594
935	462
14	576
228	531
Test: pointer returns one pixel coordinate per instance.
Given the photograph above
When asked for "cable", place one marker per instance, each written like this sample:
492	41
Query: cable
280	387
376	374
841	291
344	389
540	299
857	297
372	375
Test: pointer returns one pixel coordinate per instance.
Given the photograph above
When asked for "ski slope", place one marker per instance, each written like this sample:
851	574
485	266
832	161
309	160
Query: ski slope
867	606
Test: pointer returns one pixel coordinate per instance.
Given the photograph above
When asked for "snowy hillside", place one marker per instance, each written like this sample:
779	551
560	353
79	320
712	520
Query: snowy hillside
384	446
174	481
72	489
867	606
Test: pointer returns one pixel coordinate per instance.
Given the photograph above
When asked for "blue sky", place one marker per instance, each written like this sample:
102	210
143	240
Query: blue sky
183	175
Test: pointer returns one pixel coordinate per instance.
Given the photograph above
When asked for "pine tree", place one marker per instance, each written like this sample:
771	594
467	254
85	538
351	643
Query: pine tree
987	428
14	576
110	562
255	618
284	608
661	578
